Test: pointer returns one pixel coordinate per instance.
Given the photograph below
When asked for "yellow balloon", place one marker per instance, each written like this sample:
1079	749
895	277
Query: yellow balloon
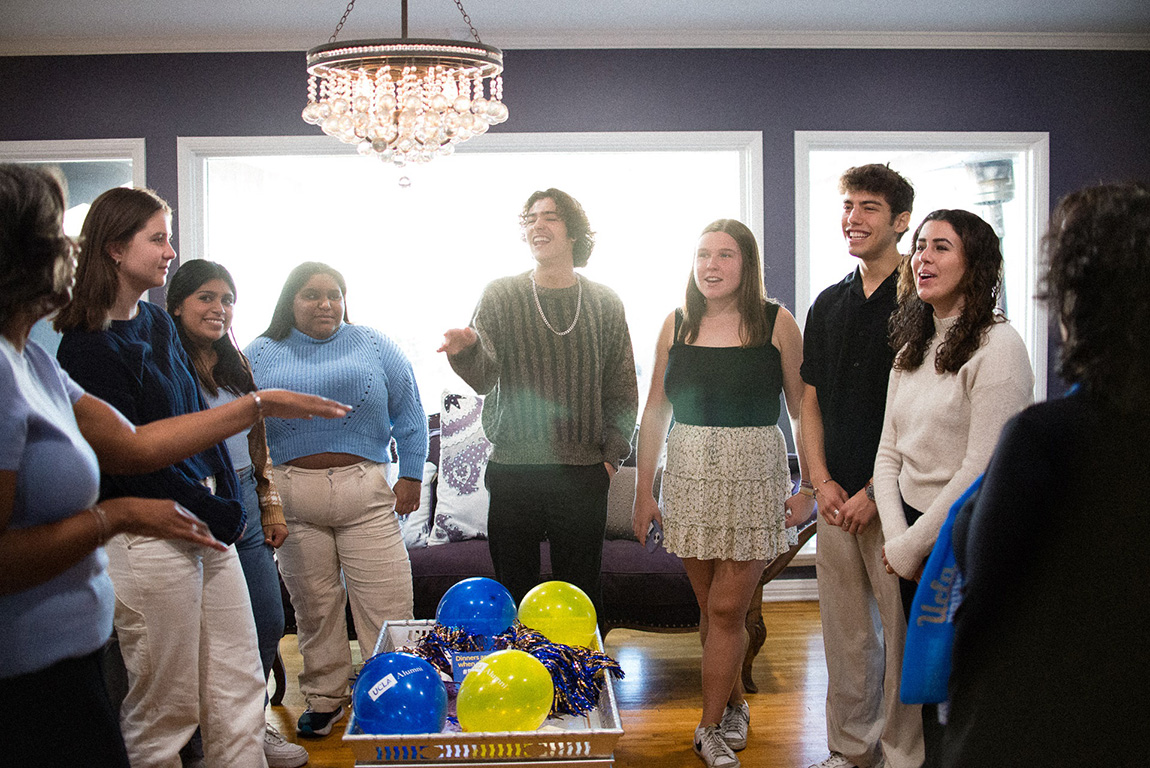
561	611
507	690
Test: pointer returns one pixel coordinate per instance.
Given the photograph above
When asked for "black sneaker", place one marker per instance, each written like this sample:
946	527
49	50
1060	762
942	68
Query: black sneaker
313	724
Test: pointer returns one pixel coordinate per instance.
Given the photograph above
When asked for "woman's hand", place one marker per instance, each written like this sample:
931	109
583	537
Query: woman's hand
798	509
285	404
275	534
917	573
645	510
159	518
457	340
406	493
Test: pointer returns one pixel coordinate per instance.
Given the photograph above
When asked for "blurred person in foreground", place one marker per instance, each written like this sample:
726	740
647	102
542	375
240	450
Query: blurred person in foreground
1050	647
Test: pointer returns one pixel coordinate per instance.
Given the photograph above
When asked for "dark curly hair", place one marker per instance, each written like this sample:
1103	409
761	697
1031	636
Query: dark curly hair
574	218
912	325
880	180
752	299
231	371
1098	285
34	278
283	316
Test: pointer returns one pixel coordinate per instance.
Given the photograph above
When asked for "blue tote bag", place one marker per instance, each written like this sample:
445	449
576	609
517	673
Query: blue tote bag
930	630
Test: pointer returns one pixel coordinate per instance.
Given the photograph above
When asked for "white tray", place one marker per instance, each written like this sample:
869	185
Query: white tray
586	741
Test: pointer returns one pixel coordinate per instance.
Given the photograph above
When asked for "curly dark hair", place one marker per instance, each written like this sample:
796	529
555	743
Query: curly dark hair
34	278
1097	284
231	371
880	180
752	299
574	218
912	325
283	316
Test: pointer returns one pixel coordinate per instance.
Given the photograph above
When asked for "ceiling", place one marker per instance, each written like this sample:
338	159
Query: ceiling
40	27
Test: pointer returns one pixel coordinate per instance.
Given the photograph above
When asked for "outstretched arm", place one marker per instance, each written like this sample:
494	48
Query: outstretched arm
126	449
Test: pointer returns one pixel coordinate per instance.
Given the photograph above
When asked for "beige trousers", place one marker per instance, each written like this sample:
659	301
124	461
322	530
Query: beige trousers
864	631
344	545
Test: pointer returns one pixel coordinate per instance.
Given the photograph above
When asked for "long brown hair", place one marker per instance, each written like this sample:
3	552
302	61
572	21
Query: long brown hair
754	330
912	325
231	370
114	218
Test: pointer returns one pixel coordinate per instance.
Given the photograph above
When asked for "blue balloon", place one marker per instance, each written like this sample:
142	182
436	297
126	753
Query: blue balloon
399	693
480	606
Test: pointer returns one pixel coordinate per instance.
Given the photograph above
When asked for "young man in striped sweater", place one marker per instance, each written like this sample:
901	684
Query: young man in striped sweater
551	352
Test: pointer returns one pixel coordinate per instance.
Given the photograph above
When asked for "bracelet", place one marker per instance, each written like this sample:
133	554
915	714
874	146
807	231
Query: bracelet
806	489
102	522
259	403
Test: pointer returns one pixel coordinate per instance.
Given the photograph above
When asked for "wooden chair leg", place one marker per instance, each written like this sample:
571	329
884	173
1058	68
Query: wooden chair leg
758	635
279	676
755	626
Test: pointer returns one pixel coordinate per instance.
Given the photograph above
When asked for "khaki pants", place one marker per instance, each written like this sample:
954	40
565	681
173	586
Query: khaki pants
184	622
342	530
863	633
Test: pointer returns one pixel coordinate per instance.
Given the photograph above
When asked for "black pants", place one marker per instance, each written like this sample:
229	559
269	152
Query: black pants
59	717
561	503
932	729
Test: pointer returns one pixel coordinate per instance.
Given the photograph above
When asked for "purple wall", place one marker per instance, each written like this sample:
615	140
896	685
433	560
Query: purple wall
1094	104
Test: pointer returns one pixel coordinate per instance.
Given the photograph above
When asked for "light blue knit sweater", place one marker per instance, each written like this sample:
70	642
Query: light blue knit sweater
358	366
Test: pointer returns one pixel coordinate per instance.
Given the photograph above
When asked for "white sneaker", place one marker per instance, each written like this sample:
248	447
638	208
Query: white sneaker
734	725
836	760
710	746
280	752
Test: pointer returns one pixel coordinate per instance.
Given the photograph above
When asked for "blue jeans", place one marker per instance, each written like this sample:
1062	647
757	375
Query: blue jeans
261	575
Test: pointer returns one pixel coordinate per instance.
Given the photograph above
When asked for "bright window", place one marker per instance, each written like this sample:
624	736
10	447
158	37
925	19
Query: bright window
1002	177
418	245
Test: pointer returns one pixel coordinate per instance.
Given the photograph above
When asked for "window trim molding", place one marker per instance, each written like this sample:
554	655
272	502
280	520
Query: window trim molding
192	151
46	151
1034	146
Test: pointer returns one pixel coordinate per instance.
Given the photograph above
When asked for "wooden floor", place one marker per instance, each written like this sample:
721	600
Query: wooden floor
659	701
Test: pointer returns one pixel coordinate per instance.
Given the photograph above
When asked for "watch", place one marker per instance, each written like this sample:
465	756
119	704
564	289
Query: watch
870	489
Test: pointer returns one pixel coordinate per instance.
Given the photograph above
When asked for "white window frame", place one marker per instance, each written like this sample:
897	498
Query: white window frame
1035	148
193	151
61	150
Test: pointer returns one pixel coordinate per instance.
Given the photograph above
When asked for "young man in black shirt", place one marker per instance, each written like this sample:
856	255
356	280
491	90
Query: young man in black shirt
846	365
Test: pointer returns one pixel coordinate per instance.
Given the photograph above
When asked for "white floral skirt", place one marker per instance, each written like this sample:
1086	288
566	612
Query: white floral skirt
723	491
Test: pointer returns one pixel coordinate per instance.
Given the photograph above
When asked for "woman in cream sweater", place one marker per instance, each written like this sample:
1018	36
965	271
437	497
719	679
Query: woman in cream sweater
960	373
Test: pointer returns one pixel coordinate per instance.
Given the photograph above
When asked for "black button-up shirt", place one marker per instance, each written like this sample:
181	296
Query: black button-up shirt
847	358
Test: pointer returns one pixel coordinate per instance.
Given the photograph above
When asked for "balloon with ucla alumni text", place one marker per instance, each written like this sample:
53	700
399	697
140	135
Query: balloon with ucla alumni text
561	611
399	693
480	606
508	690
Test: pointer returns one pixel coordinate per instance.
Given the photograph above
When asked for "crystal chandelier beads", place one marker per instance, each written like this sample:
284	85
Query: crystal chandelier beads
405	100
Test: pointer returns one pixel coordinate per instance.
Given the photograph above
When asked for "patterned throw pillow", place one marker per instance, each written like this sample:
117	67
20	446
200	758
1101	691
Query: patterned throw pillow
461	505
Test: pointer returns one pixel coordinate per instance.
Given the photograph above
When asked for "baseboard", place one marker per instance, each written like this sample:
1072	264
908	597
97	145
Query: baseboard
783	590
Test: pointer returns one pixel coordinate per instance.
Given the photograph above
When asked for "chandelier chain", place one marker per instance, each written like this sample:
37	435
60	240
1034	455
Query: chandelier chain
351	5
466	18
342	21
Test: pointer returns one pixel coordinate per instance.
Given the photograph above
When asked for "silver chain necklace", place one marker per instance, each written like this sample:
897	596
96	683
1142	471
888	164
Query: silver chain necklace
578	306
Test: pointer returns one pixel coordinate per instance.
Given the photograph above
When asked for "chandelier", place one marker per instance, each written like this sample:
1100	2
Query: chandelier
404	100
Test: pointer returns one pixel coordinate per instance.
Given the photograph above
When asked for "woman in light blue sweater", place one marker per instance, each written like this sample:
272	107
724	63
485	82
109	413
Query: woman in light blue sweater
332	477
